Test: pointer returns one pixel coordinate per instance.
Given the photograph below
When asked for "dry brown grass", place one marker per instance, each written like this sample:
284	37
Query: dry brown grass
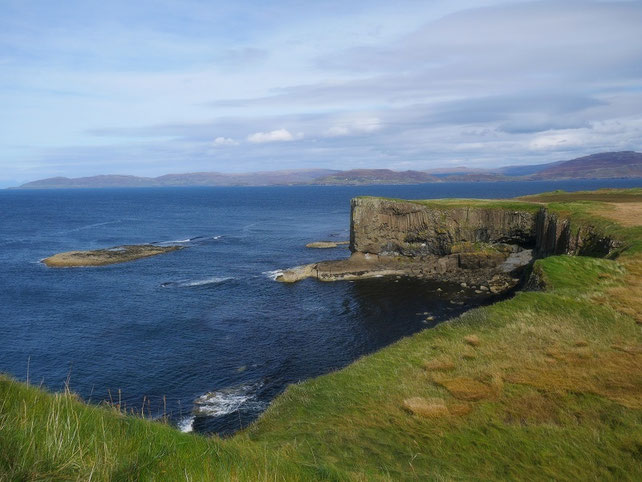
625	213
464	388
611	373
534	407
439	364
460	409
426	407
469	353
472	340
627	296
435	407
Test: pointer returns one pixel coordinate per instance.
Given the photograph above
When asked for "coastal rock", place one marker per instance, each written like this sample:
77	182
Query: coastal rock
102	257
327	244
413	228
469	242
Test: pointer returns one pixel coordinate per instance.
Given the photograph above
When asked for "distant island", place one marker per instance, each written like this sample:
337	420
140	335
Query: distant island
605	165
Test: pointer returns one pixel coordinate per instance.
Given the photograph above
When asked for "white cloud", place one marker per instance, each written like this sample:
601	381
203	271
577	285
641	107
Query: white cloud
279	135
363	125
225	141
557	141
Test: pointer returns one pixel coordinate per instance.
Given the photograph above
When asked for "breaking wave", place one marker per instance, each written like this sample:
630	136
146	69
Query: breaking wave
200	282
195	239
186	424
273	275
229	400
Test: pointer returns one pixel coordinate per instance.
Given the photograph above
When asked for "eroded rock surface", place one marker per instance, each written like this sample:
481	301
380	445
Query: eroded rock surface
483	243
102	257
406	228
327	244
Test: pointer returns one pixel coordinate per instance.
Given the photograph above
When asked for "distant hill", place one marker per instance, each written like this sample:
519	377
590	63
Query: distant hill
596	166
526	170
625	164
266	178
376	176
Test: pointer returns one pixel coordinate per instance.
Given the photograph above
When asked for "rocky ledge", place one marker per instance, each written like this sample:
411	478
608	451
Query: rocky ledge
472	242
102	257
327	244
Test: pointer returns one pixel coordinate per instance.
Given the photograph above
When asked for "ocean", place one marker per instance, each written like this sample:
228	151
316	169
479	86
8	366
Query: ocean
159	333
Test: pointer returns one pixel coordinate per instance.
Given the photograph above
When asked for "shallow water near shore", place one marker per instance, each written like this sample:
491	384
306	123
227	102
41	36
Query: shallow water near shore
207	319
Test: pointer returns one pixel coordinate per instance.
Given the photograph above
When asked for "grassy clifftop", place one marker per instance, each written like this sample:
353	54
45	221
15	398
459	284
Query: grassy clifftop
545	385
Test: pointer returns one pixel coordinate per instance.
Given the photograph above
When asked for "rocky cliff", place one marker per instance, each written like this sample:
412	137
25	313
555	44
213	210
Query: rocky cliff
407	228
486	243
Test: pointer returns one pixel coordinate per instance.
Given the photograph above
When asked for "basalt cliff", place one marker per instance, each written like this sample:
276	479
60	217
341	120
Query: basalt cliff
477	242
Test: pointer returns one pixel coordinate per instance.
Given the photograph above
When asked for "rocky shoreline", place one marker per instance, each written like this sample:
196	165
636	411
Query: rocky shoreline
483	243
327	244
103	257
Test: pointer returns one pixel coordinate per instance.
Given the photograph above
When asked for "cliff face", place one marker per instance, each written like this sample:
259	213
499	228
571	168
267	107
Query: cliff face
485	243
556	235
401	228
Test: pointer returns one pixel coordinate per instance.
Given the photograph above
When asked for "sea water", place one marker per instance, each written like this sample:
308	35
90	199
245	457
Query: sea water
204	335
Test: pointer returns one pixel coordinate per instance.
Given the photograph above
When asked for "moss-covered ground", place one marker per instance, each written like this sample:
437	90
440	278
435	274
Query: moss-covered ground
546	385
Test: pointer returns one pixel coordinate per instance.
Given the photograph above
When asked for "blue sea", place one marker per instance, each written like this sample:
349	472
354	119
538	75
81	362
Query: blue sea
208	319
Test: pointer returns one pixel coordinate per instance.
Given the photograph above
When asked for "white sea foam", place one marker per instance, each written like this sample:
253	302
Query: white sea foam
199	282
273	275
229	400
206	281
189	240
186	425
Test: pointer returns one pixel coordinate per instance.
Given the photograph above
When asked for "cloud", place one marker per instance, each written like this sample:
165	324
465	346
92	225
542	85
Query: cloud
508	81
556	141
279	135
355	127
225	141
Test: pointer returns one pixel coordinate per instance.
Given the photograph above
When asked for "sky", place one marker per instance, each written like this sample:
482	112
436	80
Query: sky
150	87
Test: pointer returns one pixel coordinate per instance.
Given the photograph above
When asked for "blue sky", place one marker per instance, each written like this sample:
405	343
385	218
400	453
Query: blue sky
151	87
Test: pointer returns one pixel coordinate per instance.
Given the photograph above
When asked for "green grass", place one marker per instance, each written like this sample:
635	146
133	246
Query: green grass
604	195
508	204
545	385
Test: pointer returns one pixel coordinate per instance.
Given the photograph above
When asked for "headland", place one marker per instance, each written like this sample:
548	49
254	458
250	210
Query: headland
544	385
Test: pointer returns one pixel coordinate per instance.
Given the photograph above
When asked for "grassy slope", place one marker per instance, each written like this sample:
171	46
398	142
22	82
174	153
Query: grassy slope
545	385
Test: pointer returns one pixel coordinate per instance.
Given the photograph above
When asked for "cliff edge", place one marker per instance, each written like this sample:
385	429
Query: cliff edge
484	242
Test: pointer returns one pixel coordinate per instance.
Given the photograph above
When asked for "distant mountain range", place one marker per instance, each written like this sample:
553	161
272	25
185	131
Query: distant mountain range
625	164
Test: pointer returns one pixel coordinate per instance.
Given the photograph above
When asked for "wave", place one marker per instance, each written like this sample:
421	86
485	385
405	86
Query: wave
229	400
273	275
200	282
89	226
189	240
186	424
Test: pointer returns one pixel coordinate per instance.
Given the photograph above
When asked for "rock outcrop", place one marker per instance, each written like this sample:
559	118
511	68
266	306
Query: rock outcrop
406	228
102	257
326	244
474	242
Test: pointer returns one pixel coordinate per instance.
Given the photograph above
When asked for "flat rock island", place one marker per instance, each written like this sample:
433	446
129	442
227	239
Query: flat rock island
102	257
327	244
